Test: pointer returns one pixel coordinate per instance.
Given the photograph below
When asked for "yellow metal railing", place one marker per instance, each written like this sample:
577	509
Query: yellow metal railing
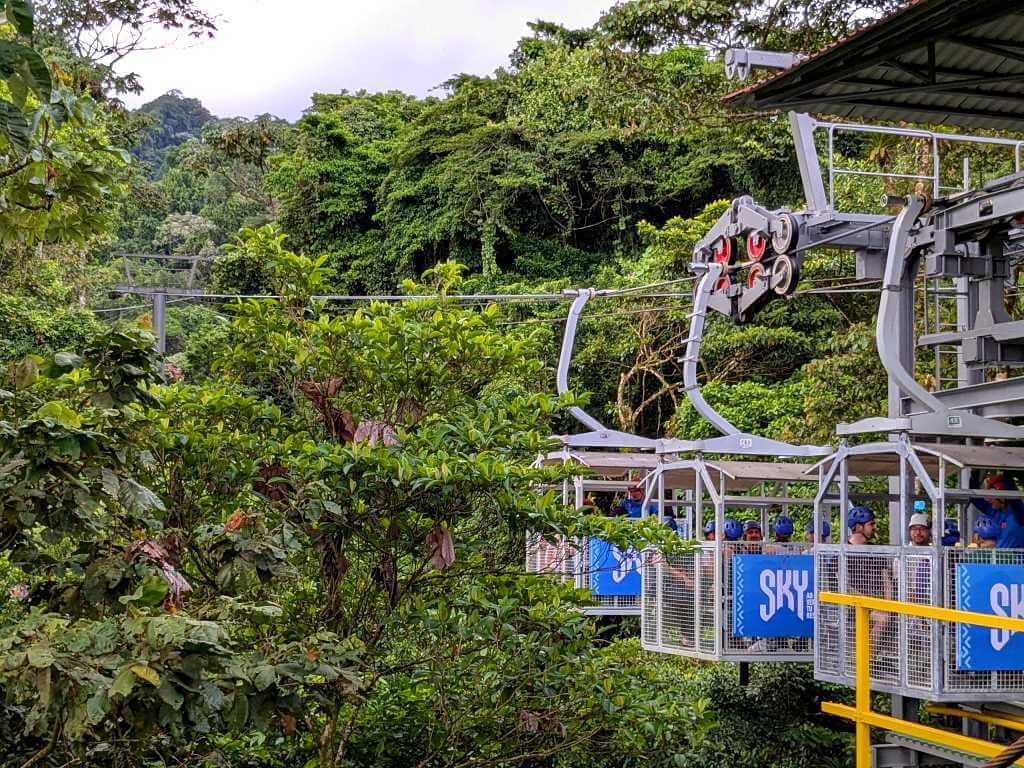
864	717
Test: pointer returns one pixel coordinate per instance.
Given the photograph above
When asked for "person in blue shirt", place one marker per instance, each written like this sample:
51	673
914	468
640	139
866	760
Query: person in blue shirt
633	506
1007	514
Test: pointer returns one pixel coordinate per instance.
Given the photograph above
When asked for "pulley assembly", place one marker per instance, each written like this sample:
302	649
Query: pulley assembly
767	264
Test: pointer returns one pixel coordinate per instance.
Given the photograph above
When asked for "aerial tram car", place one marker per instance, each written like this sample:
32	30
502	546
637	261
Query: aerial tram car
611	461
699	604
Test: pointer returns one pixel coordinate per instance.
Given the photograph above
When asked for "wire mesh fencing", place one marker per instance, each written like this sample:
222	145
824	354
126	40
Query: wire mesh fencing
910	655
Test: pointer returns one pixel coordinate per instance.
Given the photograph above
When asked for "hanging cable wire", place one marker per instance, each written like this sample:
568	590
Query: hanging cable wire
141	306
611	292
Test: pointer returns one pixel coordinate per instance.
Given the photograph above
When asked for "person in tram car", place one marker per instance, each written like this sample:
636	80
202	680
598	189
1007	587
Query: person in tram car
782	529
782	533
733	530
632	506
919	583
752	531
861	522
709	530
682	578
872	576
737	532
826	531
920	530
986	533
1007	514
950	534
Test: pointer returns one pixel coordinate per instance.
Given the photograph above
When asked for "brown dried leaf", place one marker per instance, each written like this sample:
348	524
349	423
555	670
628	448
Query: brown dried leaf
441	547
374	431
236	521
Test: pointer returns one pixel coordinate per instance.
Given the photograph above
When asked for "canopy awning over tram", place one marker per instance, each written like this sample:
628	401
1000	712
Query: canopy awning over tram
883	459
606	464
740	476
951	62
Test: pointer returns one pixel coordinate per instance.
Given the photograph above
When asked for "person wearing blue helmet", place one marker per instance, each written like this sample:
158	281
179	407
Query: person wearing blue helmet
732	529
826	531
872	576
986	533
861	522
709	530
950	533
752	531
1006	514
782	529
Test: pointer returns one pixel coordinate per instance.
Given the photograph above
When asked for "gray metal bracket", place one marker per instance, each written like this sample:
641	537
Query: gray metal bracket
894	308
732	440
739	61
598	436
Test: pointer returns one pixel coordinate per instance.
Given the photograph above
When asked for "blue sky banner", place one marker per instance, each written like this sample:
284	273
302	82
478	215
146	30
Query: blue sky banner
613	571
773	595
998	590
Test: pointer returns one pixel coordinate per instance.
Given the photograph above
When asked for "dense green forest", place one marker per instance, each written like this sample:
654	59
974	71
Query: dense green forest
298	540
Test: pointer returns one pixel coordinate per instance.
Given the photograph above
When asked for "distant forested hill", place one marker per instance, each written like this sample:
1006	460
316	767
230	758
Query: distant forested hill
175	120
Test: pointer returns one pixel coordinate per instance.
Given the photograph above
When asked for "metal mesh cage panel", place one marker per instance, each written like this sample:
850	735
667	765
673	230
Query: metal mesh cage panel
874	572
669	617
555	557
911	656
827	617
649	600
917	634
956	679
709	601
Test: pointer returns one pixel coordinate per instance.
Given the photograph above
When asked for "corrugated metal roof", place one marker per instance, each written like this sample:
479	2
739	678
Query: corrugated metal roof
953	62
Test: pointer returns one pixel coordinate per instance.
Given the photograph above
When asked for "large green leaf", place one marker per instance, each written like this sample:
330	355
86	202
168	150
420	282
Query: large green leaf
17	60
14	126
151	592
20	13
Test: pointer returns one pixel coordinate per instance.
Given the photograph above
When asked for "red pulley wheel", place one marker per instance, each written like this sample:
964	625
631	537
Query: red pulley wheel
723	250
757	244
755	274
723	284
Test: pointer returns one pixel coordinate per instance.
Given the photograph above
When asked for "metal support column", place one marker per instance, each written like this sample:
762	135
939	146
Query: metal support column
160	321
905	708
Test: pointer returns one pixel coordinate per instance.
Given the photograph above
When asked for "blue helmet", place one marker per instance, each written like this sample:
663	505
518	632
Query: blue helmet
859	516
950	533
986	527
751	525
783	526
733	530
709	527
826	529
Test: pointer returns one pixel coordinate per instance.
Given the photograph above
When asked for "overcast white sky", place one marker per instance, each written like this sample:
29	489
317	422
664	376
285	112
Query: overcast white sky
270	56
